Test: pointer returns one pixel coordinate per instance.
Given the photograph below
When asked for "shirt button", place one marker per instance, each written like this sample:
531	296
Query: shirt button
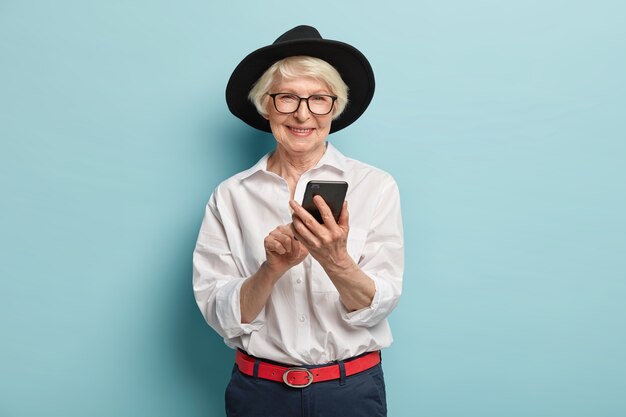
302	319
299	280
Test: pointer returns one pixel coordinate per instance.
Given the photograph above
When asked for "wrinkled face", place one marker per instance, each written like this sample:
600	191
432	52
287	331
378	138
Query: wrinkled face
300	133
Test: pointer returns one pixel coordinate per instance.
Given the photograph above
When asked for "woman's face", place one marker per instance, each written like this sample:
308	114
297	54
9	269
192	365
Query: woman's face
300	133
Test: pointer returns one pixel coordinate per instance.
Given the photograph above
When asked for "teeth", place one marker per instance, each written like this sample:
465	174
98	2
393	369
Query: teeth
300	130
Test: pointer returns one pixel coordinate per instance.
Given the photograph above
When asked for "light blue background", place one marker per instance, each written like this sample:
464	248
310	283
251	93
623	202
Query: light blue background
503	122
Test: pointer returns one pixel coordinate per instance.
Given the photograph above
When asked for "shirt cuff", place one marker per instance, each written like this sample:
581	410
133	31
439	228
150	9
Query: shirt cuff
367	316
228	311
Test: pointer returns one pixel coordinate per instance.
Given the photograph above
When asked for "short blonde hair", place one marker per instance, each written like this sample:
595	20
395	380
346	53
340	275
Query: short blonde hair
299	66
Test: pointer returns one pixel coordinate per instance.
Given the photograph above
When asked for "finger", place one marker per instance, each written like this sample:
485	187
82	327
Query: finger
272	245
284	235
305	217
300	250
344	216
276	241
325	211
285	240
303	233
286	229
296	236
293	231
297	240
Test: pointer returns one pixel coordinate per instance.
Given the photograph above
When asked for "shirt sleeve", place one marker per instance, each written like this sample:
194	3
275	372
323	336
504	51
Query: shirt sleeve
217	279
382	259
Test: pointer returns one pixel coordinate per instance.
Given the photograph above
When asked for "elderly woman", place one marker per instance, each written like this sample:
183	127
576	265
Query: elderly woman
305	303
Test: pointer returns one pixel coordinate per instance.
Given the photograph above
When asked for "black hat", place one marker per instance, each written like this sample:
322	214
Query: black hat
351	64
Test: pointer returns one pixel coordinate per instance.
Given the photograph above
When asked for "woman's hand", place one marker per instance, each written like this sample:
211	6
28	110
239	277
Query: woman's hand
326	242
282	250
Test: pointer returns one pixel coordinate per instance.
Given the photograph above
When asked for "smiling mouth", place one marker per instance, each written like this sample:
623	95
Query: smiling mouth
300	131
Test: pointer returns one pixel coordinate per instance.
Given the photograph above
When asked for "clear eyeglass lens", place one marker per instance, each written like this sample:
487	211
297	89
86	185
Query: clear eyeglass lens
318	104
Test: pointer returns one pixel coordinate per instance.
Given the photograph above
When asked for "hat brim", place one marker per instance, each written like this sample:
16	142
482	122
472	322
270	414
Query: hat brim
354	68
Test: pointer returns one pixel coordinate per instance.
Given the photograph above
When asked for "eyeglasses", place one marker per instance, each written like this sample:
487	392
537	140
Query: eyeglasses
318	104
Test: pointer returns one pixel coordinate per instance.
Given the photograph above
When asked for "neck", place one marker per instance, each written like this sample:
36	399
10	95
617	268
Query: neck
291	167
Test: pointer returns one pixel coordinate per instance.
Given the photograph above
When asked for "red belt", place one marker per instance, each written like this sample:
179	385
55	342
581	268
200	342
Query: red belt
299	377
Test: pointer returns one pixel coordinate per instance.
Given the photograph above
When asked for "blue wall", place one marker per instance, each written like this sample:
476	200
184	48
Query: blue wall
503	122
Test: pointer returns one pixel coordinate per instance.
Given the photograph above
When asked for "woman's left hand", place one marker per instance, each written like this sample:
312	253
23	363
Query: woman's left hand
326	242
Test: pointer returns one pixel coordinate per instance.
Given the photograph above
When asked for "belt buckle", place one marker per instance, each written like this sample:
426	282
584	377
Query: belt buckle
309	377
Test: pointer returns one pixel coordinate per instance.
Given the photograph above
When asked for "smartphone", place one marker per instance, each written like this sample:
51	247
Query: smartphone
333	193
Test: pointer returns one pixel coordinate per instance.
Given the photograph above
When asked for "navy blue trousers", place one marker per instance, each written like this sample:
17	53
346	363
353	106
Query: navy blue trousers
359	395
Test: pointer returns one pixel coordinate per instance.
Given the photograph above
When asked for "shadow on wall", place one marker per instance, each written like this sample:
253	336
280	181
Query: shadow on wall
238	146
195	353
205	361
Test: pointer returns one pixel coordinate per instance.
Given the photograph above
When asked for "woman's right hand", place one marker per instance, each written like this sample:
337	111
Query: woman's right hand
282	249
282	252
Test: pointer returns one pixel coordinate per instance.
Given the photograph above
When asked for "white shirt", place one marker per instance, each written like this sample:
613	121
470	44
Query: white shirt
304	321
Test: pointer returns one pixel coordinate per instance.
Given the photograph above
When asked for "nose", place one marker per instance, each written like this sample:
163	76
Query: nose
302	112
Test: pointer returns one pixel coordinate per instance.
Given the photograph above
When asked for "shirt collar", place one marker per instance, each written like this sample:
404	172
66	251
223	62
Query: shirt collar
332	158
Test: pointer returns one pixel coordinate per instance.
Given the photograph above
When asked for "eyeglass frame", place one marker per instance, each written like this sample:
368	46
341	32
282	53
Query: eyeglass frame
306	99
